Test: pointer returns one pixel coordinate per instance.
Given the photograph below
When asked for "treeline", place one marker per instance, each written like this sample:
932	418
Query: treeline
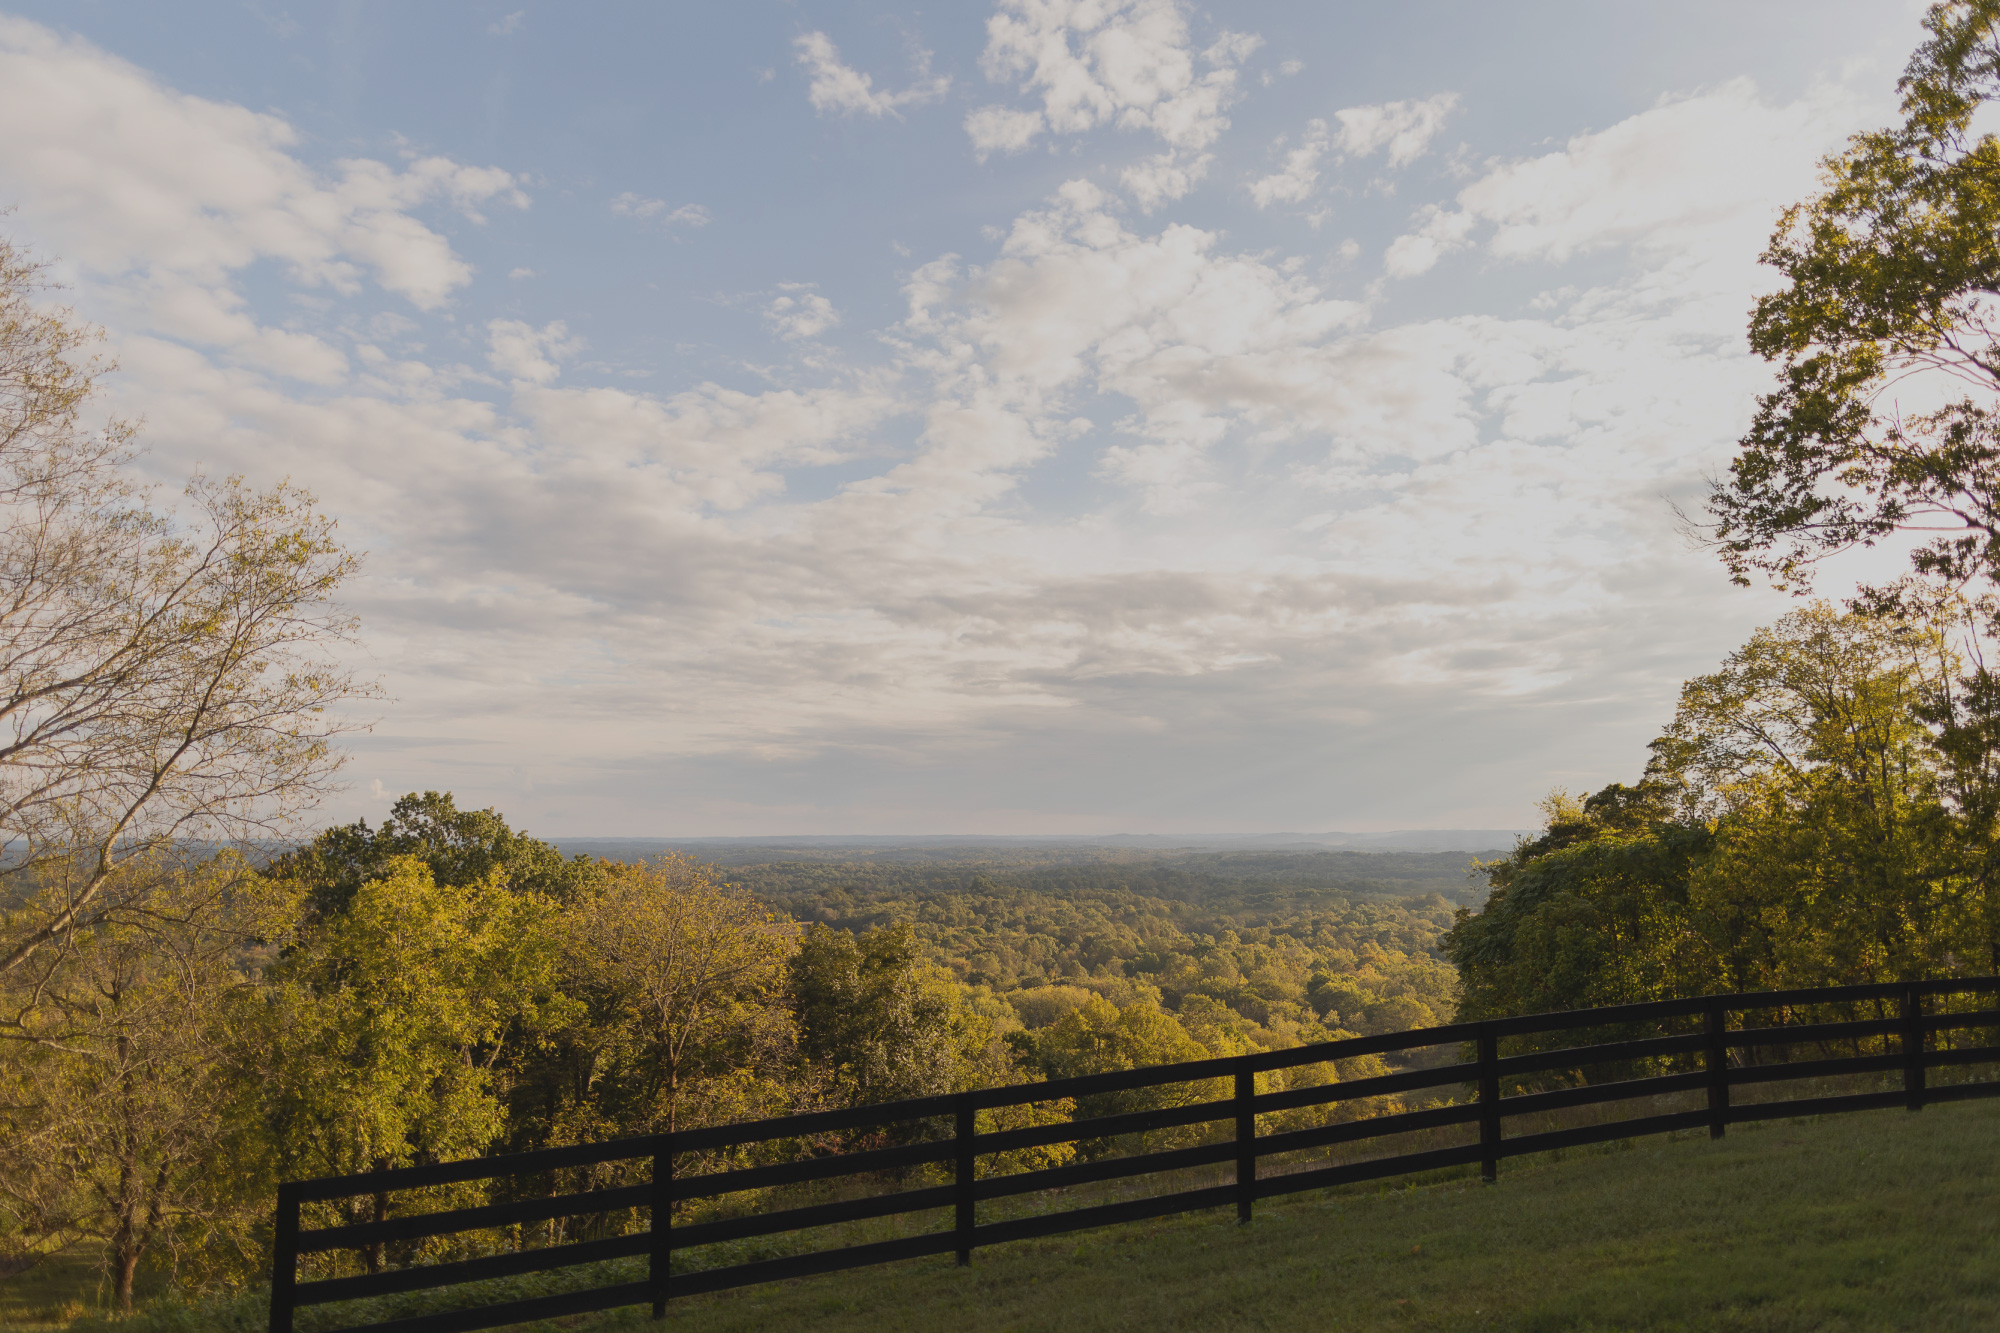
1822	811
1241	882
1280	960
443	986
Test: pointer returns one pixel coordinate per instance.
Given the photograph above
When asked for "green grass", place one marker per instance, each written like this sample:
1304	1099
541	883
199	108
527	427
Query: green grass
52	1293
1882	1220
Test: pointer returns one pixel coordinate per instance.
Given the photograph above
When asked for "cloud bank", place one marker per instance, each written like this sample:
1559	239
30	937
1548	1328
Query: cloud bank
1110	495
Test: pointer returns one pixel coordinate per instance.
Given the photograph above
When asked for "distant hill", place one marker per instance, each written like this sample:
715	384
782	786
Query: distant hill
1487	842
1280	879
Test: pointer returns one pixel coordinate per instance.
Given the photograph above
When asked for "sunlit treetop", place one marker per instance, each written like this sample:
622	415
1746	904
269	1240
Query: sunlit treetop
1892	273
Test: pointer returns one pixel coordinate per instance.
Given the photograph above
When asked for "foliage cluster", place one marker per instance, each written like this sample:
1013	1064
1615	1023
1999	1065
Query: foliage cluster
1804	821
1260	943
1885	339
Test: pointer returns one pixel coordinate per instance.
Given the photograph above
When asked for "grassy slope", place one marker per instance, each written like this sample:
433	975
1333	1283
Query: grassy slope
1880	1220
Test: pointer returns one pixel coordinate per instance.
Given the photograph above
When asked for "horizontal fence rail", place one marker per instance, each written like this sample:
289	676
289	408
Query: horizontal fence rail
1907	1030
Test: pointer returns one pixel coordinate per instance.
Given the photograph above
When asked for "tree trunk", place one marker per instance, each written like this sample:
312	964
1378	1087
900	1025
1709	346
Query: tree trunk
125	1243
373	1253
124	1266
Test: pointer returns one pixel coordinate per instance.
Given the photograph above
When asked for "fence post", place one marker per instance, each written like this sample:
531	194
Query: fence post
285	1257
1913	1047
1717	1054
1246	1139
660	1254
1489	1105
967	1126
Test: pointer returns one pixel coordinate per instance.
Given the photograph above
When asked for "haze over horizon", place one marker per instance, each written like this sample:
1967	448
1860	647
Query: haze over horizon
1418	839
1029	420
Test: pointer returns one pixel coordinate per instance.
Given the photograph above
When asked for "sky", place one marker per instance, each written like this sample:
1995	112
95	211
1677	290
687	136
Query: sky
1042	417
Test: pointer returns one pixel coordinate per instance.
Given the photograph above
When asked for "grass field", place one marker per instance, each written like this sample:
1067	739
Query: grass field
1881	1220
52	1293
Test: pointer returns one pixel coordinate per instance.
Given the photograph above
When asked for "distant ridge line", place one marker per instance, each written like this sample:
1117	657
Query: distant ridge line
1401	840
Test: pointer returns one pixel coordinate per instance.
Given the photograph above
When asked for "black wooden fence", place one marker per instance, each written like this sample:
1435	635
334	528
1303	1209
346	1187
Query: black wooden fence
1895	1032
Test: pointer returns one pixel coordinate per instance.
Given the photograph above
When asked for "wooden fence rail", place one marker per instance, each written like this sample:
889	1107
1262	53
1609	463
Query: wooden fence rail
1921	1034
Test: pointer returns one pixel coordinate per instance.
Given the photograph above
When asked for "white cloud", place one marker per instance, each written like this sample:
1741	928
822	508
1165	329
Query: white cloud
999	129
1163	177
840	88
1438	232
520	272
1129	63
509	25
521	352
706	449
1201	344
1404	128
1703	173
630	205
162	198
219	185
1294	182
800	312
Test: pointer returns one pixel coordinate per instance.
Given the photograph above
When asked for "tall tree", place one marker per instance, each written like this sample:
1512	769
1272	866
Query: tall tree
121	1101
461	847
164	677
1098	1037
388	1020
880	1020
1592	912
1811	751
1795	827
684	979
1892	273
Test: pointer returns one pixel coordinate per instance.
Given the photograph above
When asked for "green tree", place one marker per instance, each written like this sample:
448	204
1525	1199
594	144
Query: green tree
1794	828
1593	912
1098	1037
1891	272
122	1102
684	983
387	1021
1884	419
881	1021
461	847
1837	855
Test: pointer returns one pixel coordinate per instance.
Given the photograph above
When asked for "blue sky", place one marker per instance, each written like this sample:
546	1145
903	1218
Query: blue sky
1064	416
